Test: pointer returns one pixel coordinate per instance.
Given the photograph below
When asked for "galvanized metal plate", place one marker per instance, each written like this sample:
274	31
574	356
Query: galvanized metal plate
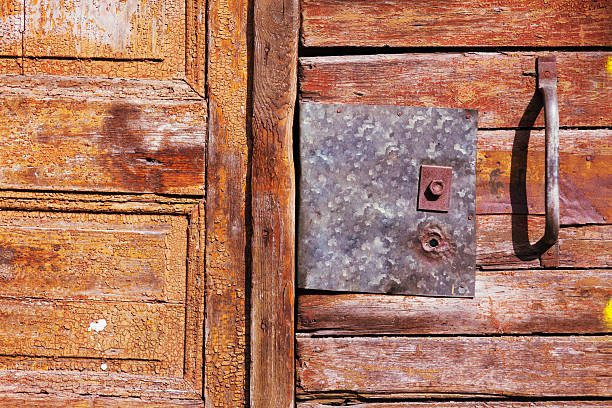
359	227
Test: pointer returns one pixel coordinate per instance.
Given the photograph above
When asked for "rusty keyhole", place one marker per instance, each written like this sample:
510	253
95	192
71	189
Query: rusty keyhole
431	240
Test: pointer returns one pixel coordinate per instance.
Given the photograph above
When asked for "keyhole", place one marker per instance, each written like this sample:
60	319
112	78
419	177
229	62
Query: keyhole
433	242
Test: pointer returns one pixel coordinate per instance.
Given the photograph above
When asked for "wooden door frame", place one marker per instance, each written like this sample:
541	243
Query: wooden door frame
259	96
272	374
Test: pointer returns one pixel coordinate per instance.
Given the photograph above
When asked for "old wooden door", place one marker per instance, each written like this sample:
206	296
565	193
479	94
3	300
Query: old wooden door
103	125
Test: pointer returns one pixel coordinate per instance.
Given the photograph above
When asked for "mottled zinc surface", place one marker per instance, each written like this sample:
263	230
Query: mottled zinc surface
359	229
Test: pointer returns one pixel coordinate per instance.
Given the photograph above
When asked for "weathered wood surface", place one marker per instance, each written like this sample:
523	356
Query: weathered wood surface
510	170
276	25
523	301
466	404
508	366
101	135
195	64
94	256
500	85
226	339
456	23
99	29
68	383
506	242
101	330
11	28
88	401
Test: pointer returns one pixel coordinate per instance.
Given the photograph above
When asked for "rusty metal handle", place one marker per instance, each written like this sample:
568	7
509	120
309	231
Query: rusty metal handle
547	83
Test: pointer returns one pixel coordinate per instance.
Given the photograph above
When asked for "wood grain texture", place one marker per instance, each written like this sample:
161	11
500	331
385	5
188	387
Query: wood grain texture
106	331
510	170
227	168
102	135
455	23
93	256
67	384
273	200
88	401
497	366
99	29
500	85
11	28
507	242
523	301
466	404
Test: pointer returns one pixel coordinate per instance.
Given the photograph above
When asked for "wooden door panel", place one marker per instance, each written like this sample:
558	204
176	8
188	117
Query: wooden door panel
11	27
99	29
127	138
93	256
141	338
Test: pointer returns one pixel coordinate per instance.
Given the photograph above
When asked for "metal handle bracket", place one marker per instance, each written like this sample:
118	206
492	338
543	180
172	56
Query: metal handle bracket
547	84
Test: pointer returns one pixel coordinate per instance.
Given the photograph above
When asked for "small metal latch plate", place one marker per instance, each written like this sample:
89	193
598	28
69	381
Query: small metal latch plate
435	188
359	224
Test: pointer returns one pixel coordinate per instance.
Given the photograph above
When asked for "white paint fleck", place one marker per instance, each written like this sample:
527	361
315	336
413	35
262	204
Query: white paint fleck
103	366
97	325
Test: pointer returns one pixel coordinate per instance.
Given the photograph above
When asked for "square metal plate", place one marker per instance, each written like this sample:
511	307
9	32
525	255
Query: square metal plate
359	227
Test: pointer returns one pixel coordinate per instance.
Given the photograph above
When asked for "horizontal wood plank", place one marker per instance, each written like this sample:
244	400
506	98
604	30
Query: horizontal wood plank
101	330
465	404
67	383
57	135
523	301
507	242
93	256
510	170
502	86
456	23
11	27
501	366
88	401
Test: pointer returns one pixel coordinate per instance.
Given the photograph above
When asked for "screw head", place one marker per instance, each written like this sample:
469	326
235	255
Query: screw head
436	187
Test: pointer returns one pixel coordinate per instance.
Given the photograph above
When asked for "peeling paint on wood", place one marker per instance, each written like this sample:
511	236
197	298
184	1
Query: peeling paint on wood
118	141
494	366
501	86
101	28
456	23
93	256
11	28
227	168
45	329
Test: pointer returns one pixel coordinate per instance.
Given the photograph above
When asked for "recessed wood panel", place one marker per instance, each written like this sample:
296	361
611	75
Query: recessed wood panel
521	301
456	23
100	330
11	27
492	366
465	404
105	135
94	256
502	87
132	29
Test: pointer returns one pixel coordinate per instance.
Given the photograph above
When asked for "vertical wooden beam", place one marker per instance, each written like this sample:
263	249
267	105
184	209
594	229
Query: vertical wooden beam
225	346
276	25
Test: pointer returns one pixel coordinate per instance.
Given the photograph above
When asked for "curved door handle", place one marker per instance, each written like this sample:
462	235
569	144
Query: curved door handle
547	83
